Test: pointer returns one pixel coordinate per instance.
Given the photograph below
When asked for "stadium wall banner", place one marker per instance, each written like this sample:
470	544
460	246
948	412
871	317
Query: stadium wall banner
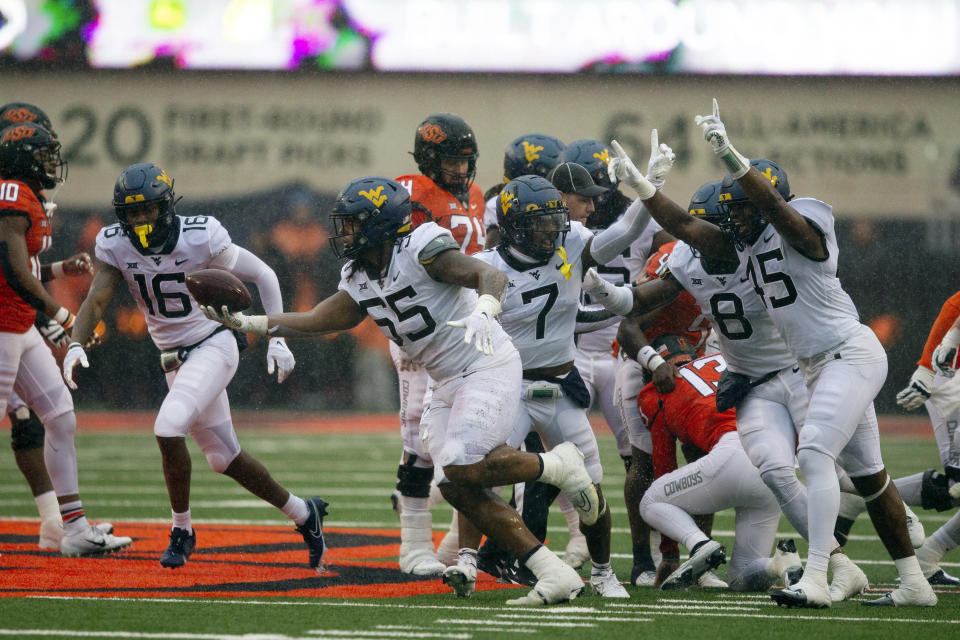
881	147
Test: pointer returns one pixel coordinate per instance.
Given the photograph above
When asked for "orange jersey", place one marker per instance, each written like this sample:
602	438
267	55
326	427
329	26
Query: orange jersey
948	315
688	413
681	317
465	223
16	198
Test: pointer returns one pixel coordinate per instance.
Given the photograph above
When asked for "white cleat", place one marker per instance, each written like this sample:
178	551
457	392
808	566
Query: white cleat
706	555
563	584
709	580
91	542
424	564
914	528
806	593
646	579
785	564
51	532
848	579
463	579
574	480
576	552
606	585
918	594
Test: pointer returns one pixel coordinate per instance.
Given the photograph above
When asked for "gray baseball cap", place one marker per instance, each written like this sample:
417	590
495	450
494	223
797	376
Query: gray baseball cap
570	177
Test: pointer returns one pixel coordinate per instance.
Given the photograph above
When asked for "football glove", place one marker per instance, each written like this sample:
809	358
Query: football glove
280	357
944	357
236	320
619	300
917	391
74	355
661	161
621	168
715	133
52	331
478	326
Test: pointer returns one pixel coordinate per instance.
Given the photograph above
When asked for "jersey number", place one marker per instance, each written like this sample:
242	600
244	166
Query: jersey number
727	317
551	291
705	387
417	310
770	278
162	296
457	221
9	191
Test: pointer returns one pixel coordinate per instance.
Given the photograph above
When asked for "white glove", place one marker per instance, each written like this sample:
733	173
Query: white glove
661	161
53	332
478	325
945	355
918	391
236	320
75	354
715	133
621	168
280	356
619	300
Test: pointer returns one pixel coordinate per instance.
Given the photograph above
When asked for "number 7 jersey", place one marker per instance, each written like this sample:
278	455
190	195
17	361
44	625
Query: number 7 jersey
157	282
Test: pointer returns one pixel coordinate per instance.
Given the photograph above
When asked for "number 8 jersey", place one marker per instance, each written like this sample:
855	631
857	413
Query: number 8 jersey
157	281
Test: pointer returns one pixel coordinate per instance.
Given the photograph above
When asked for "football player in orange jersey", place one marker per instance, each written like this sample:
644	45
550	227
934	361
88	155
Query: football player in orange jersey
445	150
29	163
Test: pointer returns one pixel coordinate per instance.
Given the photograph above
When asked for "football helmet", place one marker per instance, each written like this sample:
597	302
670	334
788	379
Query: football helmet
445	135
531	154
533	217
748	228
675	349
367	213
139	185
705	203
592	155
29	152
19	112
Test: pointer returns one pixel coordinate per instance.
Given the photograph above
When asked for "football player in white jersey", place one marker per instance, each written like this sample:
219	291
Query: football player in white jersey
153	250
545	255
762	379
423	293
790	252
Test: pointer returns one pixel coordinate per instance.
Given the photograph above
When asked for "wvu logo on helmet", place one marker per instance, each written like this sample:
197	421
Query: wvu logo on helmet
506	200
376	196
770	175
431	133
17	133
603	156
164	178
531	151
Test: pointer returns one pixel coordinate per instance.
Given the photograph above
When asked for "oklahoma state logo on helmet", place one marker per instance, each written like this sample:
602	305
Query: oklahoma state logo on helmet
17	133
431	133
18	115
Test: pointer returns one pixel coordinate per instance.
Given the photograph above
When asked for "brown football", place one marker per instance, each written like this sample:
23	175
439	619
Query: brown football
216	287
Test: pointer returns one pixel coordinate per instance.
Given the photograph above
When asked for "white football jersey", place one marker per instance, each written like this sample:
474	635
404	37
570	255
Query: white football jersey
412	309
749	340
803	296
621	271
540	308
157	281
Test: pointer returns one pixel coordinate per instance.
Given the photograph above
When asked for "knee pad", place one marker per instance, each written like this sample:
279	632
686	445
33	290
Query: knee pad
219	451
26	431
935	491
175	418
783	482
414	482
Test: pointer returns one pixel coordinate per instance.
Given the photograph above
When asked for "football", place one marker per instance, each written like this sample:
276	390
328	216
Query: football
216	287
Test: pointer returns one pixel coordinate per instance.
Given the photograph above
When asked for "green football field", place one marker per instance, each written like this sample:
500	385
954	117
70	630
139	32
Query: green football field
121	481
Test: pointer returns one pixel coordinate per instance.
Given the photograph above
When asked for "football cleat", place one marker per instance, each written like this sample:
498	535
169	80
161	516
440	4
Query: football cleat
848	578
563	584
606	585
180	547
576	552
705	555
916	595
91	542
709	580
914	528
463	579
806	593
941	577
51	532
785	563
929	560
312	530
643	577
574	480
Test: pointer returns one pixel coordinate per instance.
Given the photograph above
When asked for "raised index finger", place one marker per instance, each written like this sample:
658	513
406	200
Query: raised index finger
617	149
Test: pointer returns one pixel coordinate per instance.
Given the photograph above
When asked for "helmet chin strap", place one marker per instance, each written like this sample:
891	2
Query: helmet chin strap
142	231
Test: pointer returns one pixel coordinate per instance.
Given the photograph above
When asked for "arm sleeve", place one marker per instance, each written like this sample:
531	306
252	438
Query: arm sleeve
611	242
948	314
250	268
589	320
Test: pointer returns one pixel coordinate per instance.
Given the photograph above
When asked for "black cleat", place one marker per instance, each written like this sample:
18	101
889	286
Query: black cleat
312	530
706	555
180	547
942	577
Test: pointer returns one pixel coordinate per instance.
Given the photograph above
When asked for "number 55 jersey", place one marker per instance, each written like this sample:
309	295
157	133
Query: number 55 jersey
157	281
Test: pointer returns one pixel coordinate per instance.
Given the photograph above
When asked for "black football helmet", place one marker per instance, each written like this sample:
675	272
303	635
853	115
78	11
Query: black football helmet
445	135
532	216
732	195
141	184
532	154
367	213
20	112
29	152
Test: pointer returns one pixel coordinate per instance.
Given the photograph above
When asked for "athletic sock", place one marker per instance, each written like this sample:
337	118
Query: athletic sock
296	509
182	520
47	506
74	520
